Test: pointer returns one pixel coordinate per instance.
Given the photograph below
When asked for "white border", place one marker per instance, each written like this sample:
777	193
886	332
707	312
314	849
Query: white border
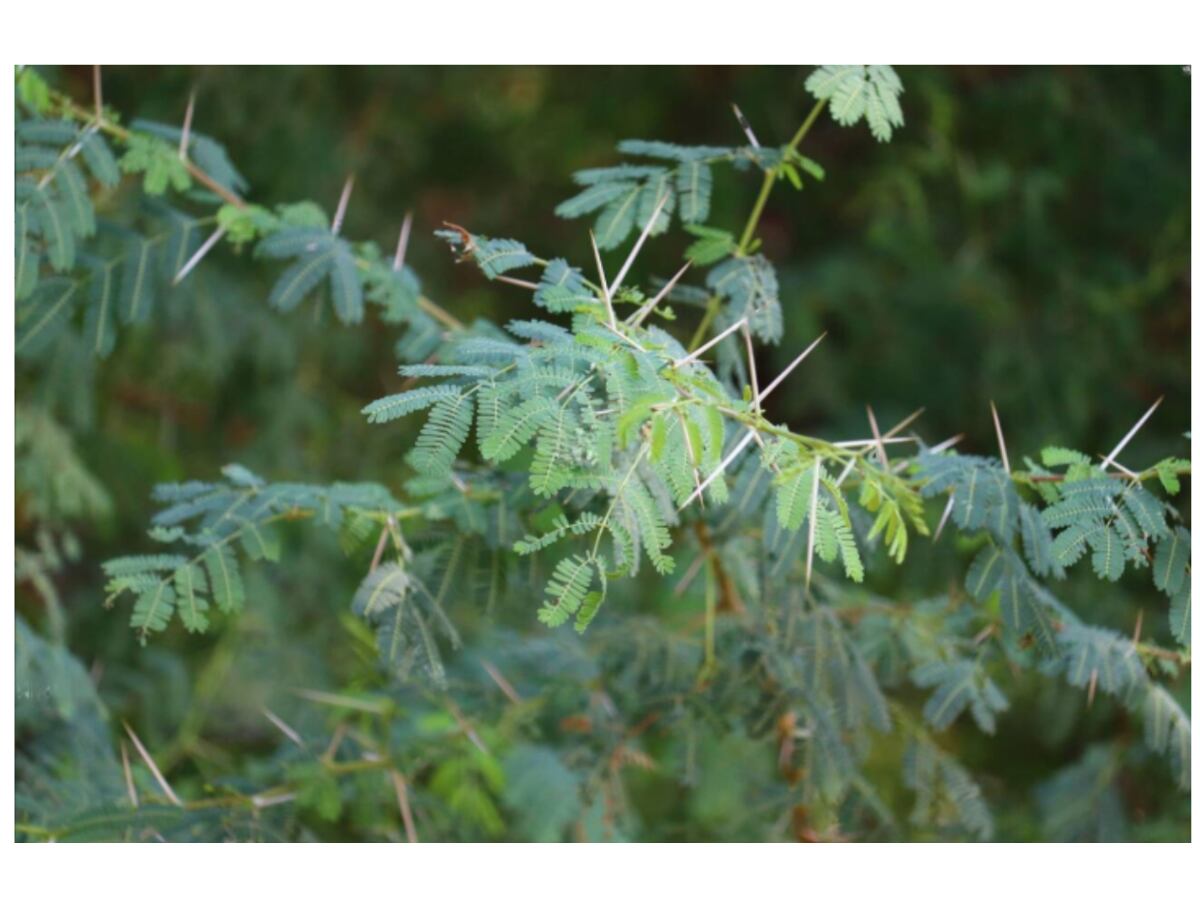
613	32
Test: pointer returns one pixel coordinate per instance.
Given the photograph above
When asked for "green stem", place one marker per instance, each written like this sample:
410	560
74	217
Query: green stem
710	313
772	175
760	203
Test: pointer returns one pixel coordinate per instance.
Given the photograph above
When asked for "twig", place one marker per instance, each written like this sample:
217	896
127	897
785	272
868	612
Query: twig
98	93
401	786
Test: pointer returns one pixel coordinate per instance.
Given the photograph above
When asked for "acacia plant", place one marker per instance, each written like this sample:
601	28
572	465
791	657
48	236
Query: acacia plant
613	437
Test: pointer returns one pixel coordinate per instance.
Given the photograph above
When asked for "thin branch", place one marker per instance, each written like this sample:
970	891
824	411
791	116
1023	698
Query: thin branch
402	243
1000	438
612	316
98	93
401	786
700	351
637	247
150	764
640	315
1129	435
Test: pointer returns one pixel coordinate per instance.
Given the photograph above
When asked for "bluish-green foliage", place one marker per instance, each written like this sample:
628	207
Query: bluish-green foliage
566	462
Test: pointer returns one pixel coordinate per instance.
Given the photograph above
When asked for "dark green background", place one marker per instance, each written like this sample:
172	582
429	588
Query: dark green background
1023	239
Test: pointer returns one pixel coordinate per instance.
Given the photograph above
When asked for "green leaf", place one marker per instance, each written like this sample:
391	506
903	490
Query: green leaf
542	793
225	579
154	608
444	433
960	684
158	161
190	585
395	406
567	588
857	91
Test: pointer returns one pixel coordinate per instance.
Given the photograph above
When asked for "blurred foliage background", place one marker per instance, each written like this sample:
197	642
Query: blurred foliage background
1023	239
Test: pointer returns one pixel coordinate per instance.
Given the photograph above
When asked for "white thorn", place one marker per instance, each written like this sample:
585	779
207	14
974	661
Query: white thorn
946	444
402	243
638	246
733	454
186	135
640	315
1129	436
129	785
283	726
945	516
878	438
904	423
846	471
745	126
1000	439
757	405
788	371
343	202
626	338
262	801
198	255
518	282
612	316
149	761
871	442
700	351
